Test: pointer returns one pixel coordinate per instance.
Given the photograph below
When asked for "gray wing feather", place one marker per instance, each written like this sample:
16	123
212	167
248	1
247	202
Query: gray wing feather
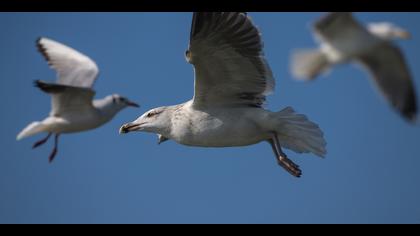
332	24
67	99
226	50
390	72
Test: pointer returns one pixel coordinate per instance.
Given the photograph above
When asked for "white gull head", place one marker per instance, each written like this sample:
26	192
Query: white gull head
113	103
156	120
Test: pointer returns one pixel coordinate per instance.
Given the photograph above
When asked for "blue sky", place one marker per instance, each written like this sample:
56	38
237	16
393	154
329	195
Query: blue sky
370	174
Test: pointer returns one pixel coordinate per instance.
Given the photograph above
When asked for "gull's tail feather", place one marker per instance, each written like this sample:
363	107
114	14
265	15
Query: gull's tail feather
306	64
299	134
32	129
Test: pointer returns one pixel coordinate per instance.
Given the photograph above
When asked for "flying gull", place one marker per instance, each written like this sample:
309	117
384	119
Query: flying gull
72	107
343	40
232	79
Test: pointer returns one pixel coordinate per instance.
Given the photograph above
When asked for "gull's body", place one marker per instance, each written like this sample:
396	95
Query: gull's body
232	79
344	40
217	127
73	108
76	120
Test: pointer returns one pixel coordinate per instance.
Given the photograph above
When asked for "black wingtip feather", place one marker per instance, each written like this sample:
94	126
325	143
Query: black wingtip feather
409	110
42	49
329	18
50	87
38	83
41	85
38	44
39	39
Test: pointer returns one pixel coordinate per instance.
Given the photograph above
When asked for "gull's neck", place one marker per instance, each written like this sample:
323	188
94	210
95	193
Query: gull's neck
171	115
106	107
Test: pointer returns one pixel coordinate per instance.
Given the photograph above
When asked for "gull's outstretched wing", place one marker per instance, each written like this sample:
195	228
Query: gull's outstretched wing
230	69
67	99
73	68
390	72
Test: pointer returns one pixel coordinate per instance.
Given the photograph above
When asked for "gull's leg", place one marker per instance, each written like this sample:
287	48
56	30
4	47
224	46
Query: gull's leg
42	141
282	159
54	151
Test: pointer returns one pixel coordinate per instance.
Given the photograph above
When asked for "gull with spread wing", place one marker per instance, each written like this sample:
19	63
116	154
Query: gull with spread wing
232	79
342	40
73	108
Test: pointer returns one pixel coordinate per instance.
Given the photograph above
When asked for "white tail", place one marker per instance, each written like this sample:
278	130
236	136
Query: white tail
306	64
299	134
31	129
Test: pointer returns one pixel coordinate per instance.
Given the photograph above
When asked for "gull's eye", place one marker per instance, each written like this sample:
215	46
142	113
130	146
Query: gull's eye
153	113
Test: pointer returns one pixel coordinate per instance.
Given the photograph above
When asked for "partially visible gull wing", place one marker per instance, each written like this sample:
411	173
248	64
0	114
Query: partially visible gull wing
230	68
67	99
73	67
389	70
337	25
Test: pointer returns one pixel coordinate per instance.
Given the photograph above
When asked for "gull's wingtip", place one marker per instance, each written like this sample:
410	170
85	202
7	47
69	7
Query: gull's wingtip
411	118
38	39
